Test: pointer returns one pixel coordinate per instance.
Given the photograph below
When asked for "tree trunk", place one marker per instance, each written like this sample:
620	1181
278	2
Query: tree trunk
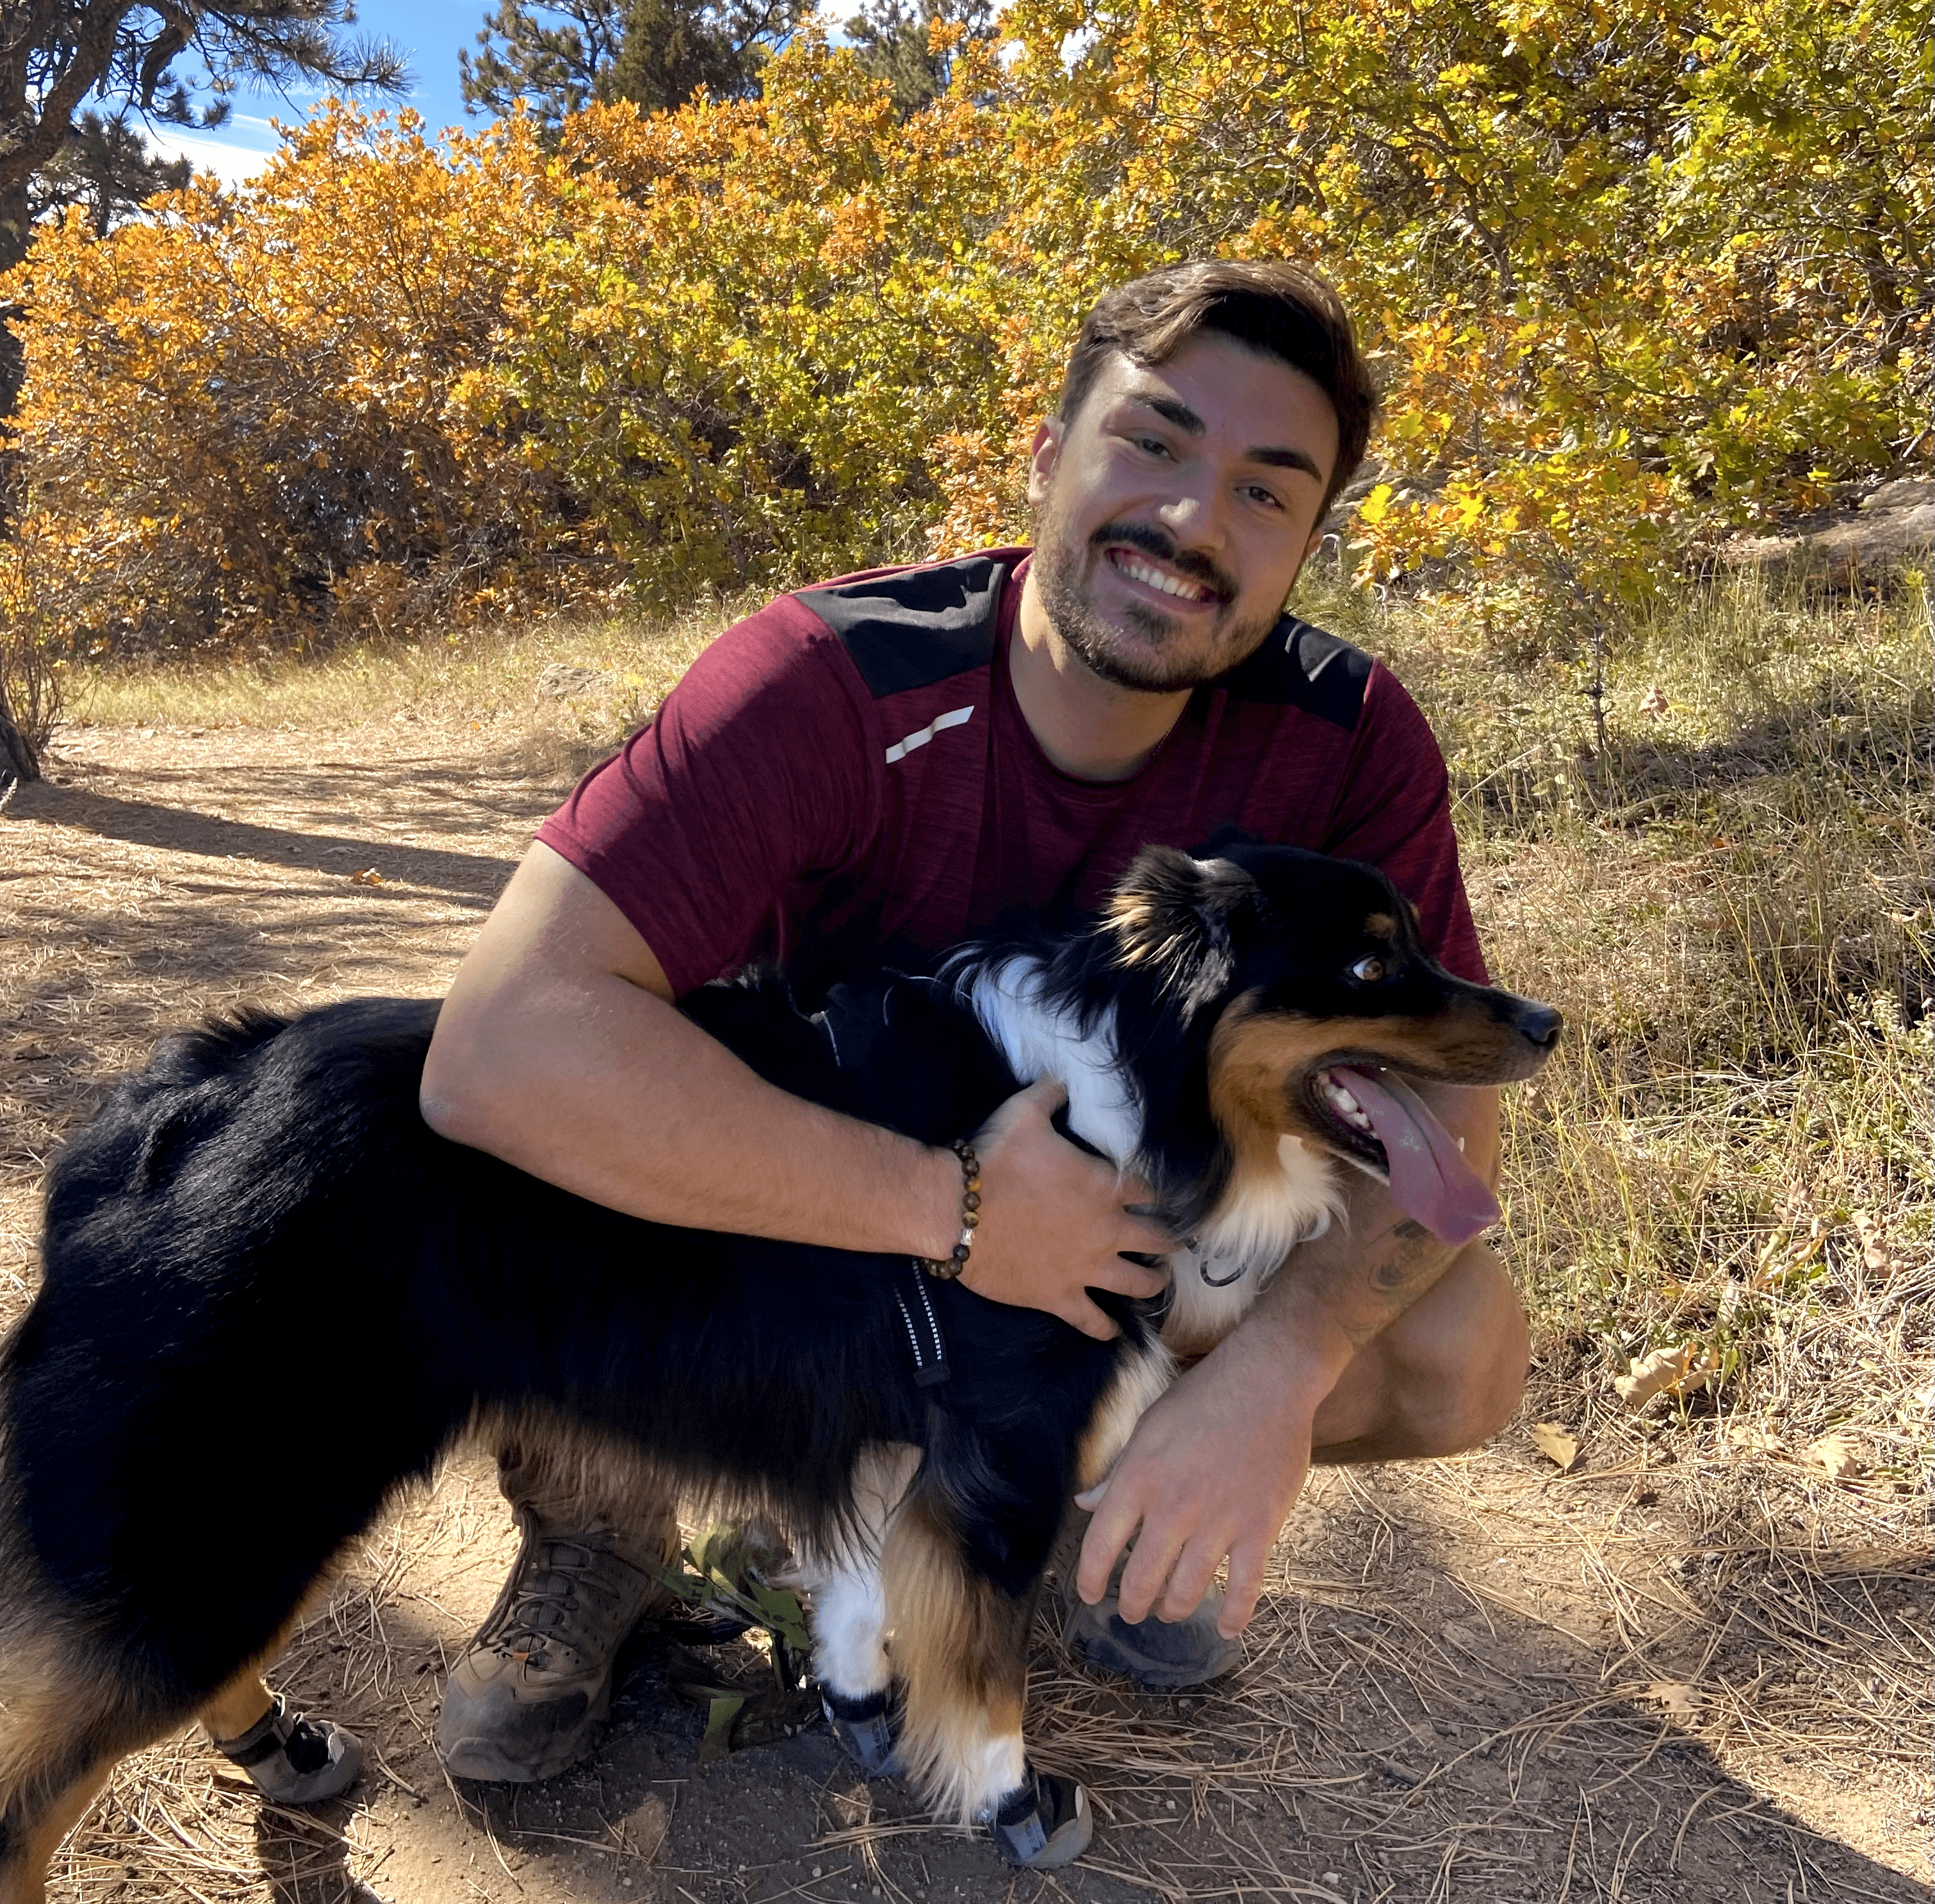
18	759
15	236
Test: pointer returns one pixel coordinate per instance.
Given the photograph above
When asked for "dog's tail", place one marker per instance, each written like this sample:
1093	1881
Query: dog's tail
220	1045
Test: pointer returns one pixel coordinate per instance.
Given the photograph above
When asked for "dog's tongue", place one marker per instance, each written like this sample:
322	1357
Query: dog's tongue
1429	1178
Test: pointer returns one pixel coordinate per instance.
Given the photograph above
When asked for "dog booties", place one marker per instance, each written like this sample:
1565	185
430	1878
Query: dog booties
292	1759
1160	1656
868	1729
1044	1823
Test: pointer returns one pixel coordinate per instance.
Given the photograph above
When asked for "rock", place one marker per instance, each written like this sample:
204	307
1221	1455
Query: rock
1894	520
561	682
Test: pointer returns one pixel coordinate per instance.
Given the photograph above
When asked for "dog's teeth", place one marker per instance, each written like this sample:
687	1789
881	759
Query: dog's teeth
1347	1107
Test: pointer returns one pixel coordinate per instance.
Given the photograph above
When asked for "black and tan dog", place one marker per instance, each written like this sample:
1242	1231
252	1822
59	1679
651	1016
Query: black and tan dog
265	1195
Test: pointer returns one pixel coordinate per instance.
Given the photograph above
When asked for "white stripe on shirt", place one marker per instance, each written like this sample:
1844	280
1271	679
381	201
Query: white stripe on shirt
921	736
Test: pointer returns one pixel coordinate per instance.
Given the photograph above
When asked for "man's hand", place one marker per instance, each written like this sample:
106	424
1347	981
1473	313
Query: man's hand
1211	1470
1053	1219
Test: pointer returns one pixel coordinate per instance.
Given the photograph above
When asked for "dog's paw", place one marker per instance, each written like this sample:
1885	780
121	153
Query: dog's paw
1044	1823
868	1728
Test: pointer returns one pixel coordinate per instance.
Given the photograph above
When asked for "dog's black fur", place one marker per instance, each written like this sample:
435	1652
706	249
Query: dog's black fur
259	1234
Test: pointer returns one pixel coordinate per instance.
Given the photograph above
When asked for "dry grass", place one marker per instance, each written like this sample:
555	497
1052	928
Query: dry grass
1735	904
491	679
1695	1667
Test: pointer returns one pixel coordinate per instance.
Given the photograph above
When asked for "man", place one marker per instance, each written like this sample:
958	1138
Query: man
891	761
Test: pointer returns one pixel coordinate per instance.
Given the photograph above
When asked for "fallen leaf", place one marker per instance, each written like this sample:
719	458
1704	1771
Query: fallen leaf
721	1712
1876	1255
1755	1436
1556	1445
1655	703
1675	1695
1665	1371
1837	1456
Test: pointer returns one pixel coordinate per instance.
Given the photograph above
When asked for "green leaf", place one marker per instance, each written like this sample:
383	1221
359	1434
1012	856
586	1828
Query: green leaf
717	1743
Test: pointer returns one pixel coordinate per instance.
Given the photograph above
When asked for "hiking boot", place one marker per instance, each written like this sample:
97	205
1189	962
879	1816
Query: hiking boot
292	1759
527	1696
1159	1655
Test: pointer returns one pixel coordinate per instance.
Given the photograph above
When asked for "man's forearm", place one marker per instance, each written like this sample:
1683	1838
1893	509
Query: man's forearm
615	1096
559	1050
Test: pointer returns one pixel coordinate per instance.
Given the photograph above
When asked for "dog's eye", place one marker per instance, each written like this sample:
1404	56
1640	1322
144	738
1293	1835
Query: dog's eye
1369	970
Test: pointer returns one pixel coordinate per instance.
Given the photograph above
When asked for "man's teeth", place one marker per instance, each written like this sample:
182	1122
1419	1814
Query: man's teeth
1346	1106
1168	585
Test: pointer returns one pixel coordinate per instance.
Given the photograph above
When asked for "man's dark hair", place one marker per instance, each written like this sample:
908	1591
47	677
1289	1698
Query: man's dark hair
1282	309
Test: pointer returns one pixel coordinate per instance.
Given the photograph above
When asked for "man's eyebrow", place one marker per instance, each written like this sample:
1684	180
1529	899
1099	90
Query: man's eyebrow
1172	411
1185	419
1285	459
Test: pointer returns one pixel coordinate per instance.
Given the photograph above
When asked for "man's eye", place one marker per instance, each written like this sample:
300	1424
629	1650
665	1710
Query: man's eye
1155	446
1368	970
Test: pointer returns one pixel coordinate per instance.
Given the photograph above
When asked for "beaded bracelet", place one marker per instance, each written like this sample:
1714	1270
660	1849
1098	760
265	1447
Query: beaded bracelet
949	1267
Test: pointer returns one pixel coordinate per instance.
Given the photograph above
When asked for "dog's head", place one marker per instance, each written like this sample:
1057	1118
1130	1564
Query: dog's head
1322	1010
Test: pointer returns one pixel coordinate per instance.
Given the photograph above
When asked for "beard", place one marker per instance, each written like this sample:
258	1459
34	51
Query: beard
1152	665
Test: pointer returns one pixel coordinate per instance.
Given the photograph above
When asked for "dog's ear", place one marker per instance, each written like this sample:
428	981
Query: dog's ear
1222	839
1171	911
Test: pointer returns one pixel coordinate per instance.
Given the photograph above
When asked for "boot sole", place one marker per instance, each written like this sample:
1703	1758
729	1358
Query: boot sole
484	1759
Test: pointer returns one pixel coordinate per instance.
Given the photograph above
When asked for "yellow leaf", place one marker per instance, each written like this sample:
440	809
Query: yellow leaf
1836	1456
1665	1371
1556	1445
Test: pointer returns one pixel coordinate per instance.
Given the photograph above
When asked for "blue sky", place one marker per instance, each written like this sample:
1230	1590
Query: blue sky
428	32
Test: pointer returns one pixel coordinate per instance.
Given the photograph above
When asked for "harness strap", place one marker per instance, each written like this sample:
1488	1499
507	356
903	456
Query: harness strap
930	1350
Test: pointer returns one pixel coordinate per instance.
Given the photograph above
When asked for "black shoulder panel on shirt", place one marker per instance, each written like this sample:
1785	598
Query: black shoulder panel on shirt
914	628
1306	668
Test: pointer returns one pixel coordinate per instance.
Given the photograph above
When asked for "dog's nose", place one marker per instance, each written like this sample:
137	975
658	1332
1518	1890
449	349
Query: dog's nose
1540	1025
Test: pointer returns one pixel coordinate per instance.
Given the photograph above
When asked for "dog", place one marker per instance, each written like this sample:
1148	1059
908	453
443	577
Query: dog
1236	1027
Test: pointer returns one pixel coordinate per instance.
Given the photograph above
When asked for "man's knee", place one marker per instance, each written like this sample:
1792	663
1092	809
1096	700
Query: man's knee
1500	1351
1468	1358
1447	1375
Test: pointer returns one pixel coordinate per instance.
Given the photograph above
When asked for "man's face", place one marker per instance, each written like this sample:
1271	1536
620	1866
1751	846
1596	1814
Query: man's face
1174	509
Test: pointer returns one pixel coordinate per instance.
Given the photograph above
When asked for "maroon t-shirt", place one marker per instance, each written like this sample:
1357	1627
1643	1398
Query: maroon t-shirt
847	774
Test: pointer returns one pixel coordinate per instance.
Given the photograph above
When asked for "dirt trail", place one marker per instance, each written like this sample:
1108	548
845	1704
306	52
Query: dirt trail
1473	1679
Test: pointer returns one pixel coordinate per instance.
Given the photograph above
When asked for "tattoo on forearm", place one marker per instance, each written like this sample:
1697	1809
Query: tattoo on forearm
1415	1254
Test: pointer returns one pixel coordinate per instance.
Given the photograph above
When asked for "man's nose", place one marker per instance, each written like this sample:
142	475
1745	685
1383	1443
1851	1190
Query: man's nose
1195	517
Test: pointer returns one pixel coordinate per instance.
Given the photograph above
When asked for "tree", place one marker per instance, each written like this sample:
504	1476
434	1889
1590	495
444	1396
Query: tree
105	166
895	42
556	59
54	54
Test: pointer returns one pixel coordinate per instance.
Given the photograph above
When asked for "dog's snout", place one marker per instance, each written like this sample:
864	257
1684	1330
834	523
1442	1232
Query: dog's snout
1540	1025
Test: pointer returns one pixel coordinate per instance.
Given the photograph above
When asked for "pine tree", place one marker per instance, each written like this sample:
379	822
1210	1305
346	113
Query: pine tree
53	58
556	59
892	39
106	165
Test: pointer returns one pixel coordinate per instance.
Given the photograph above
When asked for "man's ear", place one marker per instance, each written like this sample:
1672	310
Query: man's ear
1171	911
1045	453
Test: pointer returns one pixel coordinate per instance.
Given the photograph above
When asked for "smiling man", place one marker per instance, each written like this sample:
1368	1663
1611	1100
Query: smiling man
878	767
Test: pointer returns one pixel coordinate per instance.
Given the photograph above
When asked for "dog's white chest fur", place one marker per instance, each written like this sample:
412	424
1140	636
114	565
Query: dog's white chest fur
1259	1221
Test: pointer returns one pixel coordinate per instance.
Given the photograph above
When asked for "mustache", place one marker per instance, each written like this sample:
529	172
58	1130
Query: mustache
1160	544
